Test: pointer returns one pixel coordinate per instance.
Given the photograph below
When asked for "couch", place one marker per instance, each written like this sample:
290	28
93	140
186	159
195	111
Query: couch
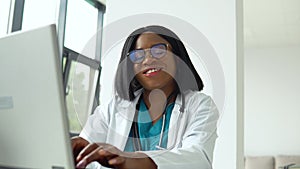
270	162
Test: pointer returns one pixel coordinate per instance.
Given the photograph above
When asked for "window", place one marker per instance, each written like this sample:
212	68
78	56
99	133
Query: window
80	45
81	27
81	84
38	13
80	92
82	59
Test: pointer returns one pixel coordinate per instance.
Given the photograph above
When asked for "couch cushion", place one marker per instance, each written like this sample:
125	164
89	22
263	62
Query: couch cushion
282	160
259	162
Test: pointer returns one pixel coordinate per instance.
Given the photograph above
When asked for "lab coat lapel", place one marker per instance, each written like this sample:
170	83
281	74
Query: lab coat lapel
175	126
123	119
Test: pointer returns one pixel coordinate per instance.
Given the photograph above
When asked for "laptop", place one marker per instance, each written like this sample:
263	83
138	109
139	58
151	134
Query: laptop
33	121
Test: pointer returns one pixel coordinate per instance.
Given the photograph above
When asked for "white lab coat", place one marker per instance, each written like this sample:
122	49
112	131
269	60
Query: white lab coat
191	136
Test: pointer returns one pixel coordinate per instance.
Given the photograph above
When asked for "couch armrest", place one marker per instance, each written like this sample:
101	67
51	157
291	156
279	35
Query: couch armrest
259	162
283	160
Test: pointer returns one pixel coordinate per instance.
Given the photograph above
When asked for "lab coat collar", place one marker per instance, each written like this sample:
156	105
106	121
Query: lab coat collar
127	108
125	115
126	103
138	93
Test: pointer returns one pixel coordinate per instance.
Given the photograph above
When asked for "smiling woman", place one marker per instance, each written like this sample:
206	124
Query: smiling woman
155	72
158	118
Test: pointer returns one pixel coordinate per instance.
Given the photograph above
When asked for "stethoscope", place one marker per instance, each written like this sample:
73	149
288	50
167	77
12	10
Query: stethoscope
136	140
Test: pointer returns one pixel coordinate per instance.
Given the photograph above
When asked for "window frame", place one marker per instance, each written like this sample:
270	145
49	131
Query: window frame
72	56
16	21
15	24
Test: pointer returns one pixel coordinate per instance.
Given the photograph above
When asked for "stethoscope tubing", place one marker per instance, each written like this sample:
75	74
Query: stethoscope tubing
137	144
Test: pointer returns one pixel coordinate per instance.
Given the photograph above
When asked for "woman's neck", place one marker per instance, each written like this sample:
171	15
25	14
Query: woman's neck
156	101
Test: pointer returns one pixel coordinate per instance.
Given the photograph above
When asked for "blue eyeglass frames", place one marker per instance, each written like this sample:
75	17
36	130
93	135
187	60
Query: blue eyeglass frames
157	51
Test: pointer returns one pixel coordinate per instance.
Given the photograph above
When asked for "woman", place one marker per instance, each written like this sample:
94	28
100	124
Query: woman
158	118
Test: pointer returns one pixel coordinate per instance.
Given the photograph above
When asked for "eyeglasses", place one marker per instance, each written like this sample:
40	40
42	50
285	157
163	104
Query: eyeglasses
157	51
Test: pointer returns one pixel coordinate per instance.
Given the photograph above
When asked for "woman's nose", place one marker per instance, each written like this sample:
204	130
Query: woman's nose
148	58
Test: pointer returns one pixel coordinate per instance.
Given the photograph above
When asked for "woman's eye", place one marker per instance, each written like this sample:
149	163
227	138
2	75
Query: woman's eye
158	52
138	55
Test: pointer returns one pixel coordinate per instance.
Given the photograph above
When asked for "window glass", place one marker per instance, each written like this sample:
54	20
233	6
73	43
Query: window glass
4	16
80	94
38	13
81	27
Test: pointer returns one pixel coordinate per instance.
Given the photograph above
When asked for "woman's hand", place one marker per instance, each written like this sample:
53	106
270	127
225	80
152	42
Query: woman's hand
110	156
100	152
78	144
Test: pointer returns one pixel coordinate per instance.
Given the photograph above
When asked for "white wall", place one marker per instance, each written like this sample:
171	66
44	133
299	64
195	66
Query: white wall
216	20
4	16
272	101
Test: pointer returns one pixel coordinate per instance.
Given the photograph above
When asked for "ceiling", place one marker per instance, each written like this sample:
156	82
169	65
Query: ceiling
271	23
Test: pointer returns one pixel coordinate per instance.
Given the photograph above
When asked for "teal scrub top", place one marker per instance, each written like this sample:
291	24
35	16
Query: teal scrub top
149	134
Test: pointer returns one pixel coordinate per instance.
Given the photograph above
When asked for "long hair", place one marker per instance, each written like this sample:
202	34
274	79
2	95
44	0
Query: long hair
186	76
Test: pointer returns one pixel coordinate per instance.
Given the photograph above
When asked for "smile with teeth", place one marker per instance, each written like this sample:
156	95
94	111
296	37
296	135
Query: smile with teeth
152	71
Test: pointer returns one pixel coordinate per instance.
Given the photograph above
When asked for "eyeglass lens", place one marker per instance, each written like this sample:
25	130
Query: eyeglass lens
157	51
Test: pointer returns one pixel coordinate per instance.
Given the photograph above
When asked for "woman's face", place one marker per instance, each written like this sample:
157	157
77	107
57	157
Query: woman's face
153	73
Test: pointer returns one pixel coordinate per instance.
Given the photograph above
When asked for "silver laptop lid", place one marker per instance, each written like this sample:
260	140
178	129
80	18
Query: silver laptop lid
33	121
